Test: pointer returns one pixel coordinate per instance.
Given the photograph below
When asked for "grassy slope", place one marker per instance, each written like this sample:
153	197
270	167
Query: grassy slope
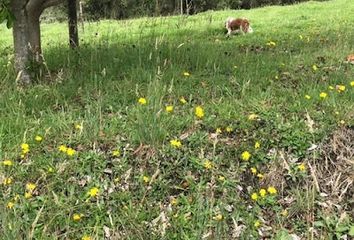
120	61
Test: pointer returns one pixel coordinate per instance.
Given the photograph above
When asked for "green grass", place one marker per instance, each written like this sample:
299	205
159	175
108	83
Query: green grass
98	86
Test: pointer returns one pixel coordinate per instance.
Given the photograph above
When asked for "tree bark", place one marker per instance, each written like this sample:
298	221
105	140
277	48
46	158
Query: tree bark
73	31
27	37
20	37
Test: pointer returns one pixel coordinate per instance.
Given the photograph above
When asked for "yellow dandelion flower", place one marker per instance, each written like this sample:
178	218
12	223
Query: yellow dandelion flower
257	224
70	151
30	187
10	205
229	129
208	164
330	87
254	196
7	162
323	95
271	44
218	131
257	145
86	238
62	148
276	77
24	146
28	195
7	181
252	117
260	176
199	112
116	153
253	170
173	201
142	101
169	108
218	217
285	213
186	74
314	67
301	167
262	192
221	178
352	83
342	122
77	217
272	190
146	179
245	156
308	97
38	138
340	88
50	170
176	143
93	192
79	126
182	100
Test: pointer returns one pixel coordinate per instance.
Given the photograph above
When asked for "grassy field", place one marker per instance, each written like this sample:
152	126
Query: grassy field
163	128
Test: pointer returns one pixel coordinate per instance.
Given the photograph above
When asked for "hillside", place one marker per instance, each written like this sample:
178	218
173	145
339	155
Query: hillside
163	128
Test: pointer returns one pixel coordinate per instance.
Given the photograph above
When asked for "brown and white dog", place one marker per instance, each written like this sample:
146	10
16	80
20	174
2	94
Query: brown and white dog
238	25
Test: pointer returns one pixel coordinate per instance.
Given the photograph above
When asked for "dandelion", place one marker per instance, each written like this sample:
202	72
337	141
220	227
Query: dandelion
199	112
182	100
25	148
229	129
146	179
218	131
7	181
70	152
218	217
79	126
62	148
169	109
352	83
38	138
340	88
308	97
28	195
253	170
221	178
116	153
262	192
173	201
245	156
10	205
77	217
330	87
86	238
285	213
142	101
301	167
314	67
257	223
208	164
7	163
257	145
271	44
252	117
30	187
254	196
272	190
260	176
323	95
186	74
50	170
342	122
93	192
301	37
175	143
276	77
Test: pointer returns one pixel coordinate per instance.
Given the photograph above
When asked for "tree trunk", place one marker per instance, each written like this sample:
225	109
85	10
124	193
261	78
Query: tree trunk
20	36
73	32
27	37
